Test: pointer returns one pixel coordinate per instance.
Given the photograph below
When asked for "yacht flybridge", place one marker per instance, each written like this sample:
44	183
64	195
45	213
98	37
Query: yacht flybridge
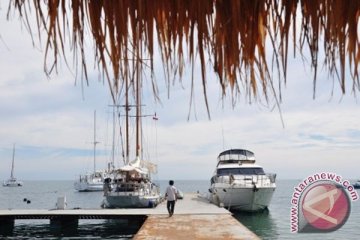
239	184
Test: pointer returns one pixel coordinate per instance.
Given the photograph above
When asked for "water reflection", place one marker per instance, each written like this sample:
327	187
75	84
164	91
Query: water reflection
87	229
261	223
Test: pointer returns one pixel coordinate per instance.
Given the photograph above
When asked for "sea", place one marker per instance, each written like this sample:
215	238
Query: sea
271	224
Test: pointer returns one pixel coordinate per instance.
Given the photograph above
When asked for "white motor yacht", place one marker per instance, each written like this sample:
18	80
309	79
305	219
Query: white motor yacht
239	184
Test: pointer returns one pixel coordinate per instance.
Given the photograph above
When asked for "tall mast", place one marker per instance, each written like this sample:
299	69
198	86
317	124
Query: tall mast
138	110
113	139
12	164
127	108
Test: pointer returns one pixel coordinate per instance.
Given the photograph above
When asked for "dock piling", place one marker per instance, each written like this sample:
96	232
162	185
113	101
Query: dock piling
7	226
68	224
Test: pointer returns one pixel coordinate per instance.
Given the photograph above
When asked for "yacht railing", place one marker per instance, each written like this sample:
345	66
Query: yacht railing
248	180
237	157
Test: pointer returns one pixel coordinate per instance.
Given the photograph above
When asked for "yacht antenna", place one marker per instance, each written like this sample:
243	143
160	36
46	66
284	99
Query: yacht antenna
223	137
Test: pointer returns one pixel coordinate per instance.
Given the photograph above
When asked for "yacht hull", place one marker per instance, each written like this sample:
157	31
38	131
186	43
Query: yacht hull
241	198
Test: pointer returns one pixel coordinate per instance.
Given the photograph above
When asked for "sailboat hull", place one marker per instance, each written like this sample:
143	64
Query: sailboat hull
88	187
12	183
92	182
130	200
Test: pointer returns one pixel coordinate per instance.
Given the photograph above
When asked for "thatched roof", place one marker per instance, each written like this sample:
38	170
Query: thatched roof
231	35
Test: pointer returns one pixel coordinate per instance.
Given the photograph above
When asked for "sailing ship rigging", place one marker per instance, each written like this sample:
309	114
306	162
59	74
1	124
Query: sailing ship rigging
131	185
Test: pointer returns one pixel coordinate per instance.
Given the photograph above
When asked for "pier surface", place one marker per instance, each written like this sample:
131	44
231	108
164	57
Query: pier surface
194	218
190	226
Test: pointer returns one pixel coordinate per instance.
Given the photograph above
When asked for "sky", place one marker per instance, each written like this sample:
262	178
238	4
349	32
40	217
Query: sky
51	121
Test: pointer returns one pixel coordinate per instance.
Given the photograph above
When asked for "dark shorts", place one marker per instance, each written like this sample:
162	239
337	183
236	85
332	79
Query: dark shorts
170	206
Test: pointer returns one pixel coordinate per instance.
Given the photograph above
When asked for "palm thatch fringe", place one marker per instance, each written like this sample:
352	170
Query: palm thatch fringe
230	35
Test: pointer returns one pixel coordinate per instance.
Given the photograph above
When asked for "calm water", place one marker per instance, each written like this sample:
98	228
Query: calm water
273	224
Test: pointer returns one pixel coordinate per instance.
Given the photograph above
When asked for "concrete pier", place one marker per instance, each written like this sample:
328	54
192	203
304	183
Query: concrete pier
186	226
194	218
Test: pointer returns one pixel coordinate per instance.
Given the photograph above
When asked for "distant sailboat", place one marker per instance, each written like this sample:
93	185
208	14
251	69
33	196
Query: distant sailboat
12	181
91	182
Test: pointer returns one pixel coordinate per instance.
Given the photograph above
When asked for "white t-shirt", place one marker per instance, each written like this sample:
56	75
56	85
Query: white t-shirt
171	193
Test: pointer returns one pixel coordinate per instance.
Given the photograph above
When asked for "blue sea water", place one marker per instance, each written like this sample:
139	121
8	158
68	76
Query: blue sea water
272	224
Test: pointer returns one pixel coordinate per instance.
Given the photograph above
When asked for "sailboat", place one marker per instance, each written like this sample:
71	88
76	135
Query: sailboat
12	181
131	185
93	181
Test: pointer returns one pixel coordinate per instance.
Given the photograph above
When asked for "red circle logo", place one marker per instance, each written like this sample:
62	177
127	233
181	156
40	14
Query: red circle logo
326	206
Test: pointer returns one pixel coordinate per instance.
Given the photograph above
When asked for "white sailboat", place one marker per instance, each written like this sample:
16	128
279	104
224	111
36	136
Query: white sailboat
12	181
131	185
93	181
239	184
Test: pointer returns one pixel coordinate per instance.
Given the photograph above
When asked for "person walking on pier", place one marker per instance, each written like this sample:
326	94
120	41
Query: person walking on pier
171	197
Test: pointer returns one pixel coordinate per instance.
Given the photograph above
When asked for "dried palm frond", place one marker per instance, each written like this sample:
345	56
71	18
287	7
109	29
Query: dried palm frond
231	35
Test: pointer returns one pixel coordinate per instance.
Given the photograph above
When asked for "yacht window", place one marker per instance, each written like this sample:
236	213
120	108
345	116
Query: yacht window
240	171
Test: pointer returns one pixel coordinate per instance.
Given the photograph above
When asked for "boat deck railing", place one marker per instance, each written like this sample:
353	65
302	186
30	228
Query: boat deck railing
266	180
236	157
135	188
